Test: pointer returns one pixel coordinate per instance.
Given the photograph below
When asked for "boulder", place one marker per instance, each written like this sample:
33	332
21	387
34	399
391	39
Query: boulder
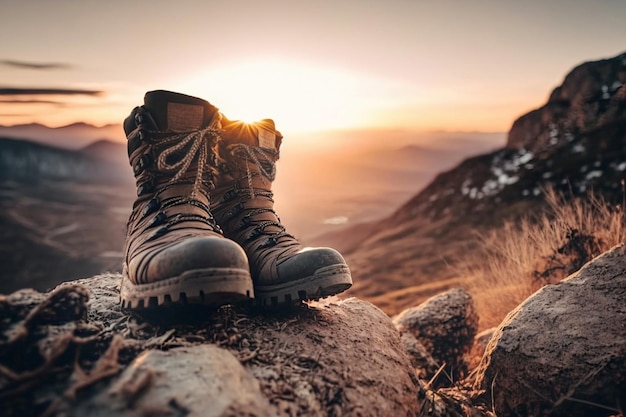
317	359
562	352
424	364
445	325
202	380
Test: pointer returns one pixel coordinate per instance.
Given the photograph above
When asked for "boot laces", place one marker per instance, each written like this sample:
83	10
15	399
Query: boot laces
263	160
195	145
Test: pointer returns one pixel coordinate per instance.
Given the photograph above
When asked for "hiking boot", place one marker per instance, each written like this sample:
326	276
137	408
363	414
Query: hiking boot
282	270
175	251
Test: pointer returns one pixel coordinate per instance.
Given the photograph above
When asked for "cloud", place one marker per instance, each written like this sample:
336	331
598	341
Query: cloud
35	65
47	91
15	115
5	101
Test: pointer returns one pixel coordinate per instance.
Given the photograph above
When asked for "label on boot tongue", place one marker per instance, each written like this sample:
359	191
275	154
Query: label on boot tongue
184	117
267	139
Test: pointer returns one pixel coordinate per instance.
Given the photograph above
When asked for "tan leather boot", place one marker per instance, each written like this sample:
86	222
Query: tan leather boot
175	251
282	270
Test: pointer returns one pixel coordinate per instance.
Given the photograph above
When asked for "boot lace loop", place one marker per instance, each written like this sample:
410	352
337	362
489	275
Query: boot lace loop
199	142
262	158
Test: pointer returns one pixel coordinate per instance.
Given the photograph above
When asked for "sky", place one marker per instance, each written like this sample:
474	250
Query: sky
310	65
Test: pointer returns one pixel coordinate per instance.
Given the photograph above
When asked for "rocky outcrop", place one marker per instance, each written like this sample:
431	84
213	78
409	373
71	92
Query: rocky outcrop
574	143
73	352
62	355
563	351
591	96
445	325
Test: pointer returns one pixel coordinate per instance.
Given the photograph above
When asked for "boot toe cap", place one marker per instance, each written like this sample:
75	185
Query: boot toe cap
308	261
198	253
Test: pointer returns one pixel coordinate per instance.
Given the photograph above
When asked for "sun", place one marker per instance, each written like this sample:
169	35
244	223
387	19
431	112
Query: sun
296	96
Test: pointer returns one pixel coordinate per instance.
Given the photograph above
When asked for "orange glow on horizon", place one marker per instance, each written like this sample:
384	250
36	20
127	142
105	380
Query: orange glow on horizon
299	97
423	117
418	118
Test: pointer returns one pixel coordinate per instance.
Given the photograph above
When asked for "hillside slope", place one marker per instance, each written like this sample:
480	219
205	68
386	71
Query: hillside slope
62	212
576	142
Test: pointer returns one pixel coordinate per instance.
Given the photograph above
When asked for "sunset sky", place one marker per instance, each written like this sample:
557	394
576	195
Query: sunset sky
309	65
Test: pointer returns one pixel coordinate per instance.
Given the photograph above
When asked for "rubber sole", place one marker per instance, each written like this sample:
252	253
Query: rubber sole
215	286
327	281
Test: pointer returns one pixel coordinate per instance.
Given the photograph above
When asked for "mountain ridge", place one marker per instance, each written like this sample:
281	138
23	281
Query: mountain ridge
72	136
67	126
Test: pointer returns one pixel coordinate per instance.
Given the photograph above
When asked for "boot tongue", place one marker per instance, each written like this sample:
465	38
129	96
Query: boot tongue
261	134
175	112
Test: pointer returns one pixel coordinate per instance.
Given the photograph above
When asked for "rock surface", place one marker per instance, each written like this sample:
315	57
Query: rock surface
424	364
61	355
445	325
563	351
201	380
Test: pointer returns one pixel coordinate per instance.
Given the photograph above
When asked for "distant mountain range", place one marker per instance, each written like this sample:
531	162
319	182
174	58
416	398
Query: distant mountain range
100	162
574	143
74	136
358	176
366	173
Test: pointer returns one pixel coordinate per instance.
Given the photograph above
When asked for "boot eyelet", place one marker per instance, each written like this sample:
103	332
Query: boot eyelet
271	241
224	168
145	161
159	219
153	205
139	119
137	169
229	195
238	208
208	176
145	188
253	234
157	233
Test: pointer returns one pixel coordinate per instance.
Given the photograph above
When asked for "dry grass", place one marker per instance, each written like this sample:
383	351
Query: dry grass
523	256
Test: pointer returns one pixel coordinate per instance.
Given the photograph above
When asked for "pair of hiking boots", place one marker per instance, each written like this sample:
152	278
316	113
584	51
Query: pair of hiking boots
203	228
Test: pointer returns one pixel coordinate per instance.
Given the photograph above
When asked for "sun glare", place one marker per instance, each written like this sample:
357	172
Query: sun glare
298	97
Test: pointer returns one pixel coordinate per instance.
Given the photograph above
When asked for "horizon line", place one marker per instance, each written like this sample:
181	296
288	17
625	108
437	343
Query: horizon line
311	131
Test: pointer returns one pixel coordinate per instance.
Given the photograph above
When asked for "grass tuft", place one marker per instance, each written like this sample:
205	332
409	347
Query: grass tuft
523	256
